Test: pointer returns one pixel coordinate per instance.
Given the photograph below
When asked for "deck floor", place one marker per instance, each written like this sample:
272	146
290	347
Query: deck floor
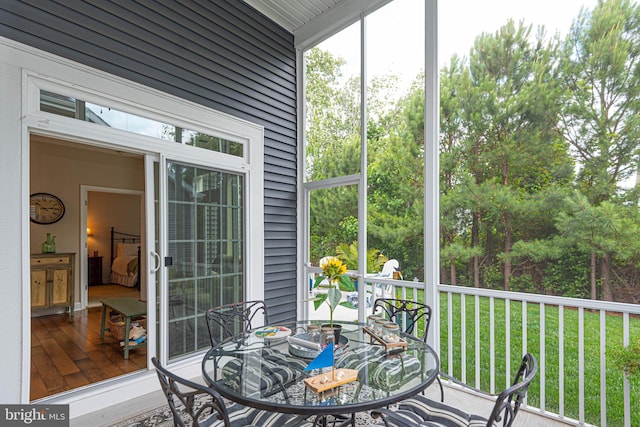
453	396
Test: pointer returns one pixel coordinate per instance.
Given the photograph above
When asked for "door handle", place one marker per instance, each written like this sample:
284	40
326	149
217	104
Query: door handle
156	257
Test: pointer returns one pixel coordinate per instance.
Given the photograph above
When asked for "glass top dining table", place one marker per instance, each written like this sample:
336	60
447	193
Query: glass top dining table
267	372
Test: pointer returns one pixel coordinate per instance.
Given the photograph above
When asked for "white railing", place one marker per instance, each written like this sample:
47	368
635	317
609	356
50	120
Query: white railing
484	333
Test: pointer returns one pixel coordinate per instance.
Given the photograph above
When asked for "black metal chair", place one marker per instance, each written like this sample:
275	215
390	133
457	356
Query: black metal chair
194	405
407	314
420	411
231	319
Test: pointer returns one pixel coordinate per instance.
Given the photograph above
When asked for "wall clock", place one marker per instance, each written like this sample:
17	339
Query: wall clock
45	208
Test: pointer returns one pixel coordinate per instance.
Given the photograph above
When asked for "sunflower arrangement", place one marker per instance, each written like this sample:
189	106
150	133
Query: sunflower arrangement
335	278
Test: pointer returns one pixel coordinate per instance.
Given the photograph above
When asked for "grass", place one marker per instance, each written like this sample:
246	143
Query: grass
513	329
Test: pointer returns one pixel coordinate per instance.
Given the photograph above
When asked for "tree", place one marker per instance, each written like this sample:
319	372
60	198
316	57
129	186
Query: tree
333	150
329	112
601	76
524	122
511	94
349	255
396	183
455	184
605	231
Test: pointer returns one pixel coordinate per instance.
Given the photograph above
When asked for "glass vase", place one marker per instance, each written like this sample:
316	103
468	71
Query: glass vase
49	245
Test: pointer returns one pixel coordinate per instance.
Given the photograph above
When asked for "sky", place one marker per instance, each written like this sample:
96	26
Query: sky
458	30
396	36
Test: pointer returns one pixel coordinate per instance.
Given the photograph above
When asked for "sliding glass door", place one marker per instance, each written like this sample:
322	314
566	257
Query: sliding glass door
205	248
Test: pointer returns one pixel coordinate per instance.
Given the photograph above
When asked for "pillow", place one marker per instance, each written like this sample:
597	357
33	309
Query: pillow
127	249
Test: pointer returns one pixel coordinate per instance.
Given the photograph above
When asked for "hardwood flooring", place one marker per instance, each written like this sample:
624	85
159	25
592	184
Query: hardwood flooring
68	353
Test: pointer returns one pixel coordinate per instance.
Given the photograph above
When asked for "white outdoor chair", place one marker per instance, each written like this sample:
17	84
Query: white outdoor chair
377	290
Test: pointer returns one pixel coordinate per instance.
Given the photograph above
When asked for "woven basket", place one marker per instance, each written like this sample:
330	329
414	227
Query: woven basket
117	325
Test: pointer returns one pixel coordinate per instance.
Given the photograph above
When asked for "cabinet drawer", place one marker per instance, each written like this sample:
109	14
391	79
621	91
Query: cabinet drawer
61	260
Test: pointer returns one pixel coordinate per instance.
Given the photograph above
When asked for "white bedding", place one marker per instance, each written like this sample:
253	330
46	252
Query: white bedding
128	281
127	249
121	265
124	271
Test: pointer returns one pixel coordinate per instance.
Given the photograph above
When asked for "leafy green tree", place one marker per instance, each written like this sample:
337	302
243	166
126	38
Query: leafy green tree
349	255
601	121
604	231
455	184
333	149
396	184
523	123
510	97
329	116
601	75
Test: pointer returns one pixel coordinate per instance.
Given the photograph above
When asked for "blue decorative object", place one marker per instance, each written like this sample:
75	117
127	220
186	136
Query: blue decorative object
323	360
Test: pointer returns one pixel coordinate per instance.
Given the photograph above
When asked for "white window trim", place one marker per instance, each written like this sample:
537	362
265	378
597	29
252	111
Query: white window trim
47	71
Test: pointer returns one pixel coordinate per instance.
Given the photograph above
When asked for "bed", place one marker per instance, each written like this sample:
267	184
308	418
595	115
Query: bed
125	258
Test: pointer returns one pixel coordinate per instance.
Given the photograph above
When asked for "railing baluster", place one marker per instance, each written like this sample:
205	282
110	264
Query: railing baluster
477	336
524	335
524	327
507	342
626	386
581	364
463	338
603	368
561	361
449	334
541	362
492	344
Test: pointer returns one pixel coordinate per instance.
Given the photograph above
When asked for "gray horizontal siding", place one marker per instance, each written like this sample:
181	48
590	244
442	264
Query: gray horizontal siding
221	54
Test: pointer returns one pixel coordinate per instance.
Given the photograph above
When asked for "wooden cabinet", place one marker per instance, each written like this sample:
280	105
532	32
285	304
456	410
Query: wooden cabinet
94	264
52	281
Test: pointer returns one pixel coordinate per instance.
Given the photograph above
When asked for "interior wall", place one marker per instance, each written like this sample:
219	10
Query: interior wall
60	168
106	210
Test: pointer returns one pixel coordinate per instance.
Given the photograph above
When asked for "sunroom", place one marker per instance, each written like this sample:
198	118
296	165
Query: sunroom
202	129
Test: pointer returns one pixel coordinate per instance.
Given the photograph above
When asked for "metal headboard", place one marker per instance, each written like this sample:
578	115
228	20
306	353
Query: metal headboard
120	237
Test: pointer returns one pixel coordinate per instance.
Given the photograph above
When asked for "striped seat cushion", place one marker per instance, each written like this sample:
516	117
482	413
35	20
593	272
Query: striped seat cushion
477	421
420	411
268	372
244	416
360	357
239	416
390	373
275	419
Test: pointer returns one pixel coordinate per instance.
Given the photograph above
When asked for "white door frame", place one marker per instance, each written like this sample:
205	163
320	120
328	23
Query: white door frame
84	249
41	70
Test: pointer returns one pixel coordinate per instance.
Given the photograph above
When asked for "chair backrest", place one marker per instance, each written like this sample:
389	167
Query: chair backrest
405	313
196	411
231	319
389	268
508	402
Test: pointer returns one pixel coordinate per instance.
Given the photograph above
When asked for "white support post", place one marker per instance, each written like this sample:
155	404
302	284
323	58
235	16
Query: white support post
431	168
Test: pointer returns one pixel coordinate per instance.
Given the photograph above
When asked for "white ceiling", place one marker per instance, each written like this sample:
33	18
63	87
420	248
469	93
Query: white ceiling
293	14
311	21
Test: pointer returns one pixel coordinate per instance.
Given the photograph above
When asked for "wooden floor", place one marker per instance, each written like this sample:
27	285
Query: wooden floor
68	353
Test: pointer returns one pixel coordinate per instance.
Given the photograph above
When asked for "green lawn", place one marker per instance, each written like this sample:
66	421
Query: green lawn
592	389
